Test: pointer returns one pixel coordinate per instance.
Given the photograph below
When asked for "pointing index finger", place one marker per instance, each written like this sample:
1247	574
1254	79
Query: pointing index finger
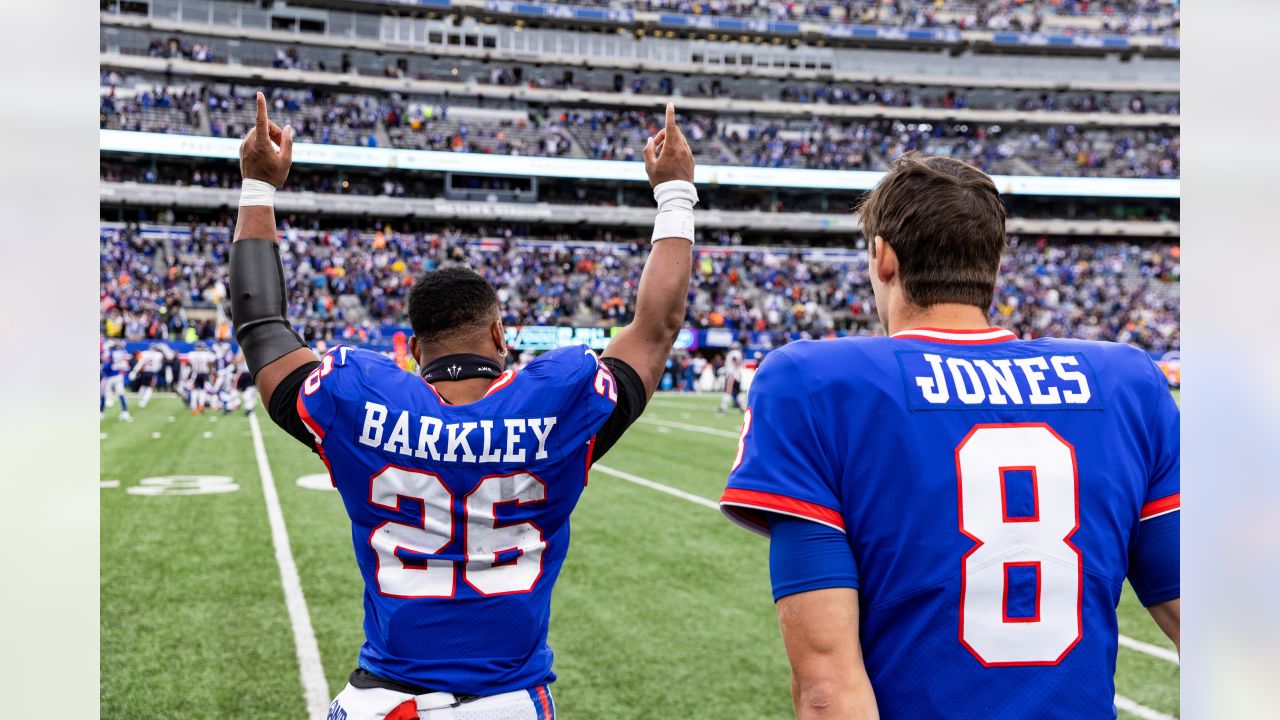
261	122
671	115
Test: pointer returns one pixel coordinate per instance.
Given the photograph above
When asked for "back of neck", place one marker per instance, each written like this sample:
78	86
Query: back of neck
943	316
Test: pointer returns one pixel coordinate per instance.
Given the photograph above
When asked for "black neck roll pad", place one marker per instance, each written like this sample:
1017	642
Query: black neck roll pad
259	303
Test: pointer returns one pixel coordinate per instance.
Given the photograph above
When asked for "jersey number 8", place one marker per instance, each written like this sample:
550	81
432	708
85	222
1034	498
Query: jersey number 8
501	558
1038	543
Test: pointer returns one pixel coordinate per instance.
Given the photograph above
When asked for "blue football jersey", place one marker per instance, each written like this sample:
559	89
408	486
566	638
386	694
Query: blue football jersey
990	490
459	513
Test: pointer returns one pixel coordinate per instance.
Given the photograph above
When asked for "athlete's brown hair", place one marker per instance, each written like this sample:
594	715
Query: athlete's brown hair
945	221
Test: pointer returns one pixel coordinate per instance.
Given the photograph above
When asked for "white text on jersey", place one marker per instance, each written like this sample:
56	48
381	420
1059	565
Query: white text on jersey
431	438
979	381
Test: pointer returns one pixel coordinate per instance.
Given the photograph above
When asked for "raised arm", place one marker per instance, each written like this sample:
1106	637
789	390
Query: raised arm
258	291
645	344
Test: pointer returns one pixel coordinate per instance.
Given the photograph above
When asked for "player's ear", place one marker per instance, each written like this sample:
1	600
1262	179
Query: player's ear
884	261
413	349
499	336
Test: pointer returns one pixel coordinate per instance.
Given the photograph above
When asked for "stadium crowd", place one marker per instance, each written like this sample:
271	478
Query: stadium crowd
346	284
1118	17
347	119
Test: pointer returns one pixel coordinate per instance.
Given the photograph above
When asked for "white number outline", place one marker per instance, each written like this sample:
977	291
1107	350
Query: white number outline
498	524
453	535
978	543
421	525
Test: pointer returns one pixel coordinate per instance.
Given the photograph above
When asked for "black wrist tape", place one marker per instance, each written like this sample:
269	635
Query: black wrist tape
259	303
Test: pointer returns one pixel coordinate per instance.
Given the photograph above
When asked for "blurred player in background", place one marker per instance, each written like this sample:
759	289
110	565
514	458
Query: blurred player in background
458	482
147	372
953	511
732	379
115	365
172	366
244	384
201	363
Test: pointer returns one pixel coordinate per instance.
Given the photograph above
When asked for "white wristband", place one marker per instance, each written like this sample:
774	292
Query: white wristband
675	199
257	192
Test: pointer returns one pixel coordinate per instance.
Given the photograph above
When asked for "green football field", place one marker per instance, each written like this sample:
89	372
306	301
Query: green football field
663	608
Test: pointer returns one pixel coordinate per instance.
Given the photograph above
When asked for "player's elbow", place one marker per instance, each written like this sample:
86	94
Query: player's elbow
832	696
662	328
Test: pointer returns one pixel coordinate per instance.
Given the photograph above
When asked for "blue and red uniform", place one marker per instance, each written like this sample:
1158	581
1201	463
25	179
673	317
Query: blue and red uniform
989	496
459	513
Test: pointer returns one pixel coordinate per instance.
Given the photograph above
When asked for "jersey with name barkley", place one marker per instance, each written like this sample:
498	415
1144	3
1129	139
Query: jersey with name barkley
459	514
990	490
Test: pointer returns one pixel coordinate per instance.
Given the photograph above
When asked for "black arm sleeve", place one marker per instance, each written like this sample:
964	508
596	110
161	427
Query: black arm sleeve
284	405
631	402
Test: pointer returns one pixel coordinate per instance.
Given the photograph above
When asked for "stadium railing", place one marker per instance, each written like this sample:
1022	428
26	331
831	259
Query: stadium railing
842	224
555	96
658	51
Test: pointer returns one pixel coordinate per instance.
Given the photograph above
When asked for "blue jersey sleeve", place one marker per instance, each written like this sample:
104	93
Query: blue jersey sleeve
805	556
783	465
1154	555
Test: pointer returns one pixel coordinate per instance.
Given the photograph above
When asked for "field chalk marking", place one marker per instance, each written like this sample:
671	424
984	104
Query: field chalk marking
315	690
691	428
1141	711
656	486
1148	649
1122	702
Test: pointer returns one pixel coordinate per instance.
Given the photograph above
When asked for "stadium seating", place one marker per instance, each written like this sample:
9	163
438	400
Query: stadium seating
349	282
358	119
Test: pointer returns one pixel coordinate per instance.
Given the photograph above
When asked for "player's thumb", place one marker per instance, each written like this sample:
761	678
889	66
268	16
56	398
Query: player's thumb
650	154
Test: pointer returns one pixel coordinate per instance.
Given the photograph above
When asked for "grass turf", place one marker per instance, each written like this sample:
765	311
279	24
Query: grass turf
193	616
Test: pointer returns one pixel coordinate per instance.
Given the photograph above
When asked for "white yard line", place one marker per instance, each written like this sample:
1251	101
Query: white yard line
1122	702
691	428
656	486
1140	710
315	690
1154	651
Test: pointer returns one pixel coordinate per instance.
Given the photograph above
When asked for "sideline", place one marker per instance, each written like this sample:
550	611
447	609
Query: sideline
315	689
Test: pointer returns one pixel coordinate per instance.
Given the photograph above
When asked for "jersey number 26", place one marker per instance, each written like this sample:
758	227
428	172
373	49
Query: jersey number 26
501	558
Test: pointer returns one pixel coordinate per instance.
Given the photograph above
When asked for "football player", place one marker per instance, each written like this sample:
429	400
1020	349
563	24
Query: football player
458	481
202	364
147	371
953	511
732	379
244	385
115	365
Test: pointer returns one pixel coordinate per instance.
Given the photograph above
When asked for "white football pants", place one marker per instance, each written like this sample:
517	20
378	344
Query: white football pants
384	704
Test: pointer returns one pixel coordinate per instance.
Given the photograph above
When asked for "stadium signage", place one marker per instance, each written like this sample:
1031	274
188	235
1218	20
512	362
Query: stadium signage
621	170
562	12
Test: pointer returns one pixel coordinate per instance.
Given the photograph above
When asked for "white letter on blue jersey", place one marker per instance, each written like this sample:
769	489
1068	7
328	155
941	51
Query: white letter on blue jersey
459	441
374	416
545	425
1074	398
1000	380
515	426
399	440
1034	377
489	455
428	435
935	390
962	390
